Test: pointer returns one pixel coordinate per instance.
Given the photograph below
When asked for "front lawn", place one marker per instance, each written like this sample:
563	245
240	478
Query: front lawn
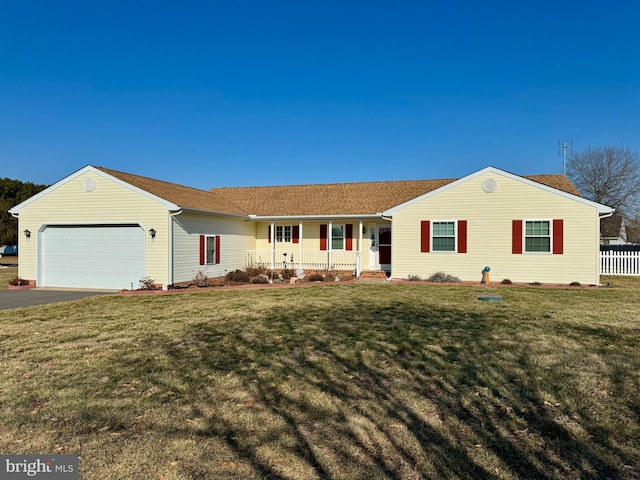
6	275
330	381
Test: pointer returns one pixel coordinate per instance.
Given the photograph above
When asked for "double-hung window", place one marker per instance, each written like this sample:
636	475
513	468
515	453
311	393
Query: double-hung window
537	236
210	250
337	237
283	233
444	236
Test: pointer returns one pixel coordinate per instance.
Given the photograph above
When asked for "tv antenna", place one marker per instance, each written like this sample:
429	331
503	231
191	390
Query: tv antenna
567	152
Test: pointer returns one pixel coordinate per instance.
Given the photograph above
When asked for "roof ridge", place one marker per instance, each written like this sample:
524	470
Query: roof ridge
336	184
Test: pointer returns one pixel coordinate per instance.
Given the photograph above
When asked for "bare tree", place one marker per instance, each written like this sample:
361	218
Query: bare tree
608	175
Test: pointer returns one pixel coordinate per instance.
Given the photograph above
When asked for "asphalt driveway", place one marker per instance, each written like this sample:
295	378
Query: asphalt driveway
36	296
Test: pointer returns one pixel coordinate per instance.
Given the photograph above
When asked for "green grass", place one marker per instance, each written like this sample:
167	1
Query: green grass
341	381
6	275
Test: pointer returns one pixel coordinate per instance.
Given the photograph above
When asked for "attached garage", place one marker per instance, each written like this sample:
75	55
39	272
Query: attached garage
92	256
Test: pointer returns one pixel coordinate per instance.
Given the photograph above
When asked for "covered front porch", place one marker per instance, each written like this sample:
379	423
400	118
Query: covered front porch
346	244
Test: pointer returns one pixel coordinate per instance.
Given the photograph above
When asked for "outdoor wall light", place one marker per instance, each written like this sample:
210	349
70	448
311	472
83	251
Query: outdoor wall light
152	232
27	233
364	230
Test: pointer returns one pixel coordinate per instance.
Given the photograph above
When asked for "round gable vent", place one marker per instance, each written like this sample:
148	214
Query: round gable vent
89	184
489	185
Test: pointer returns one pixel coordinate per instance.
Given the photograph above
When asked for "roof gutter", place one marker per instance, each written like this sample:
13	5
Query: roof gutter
211	212
312	217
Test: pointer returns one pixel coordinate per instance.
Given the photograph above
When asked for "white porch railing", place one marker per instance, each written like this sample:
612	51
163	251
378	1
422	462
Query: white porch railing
620	263
311	259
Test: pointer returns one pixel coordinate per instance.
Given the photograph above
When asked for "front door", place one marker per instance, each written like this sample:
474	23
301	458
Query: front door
380	247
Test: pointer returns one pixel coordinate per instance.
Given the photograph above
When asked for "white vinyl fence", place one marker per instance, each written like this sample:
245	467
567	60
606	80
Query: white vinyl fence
620	263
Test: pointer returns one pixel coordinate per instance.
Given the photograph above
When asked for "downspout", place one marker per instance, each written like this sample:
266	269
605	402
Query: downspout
170	246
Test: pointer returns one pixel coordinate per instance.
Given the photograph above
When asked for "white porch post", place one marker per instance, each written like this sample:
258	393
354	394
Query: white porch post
300	246
330	241
359	254
272	234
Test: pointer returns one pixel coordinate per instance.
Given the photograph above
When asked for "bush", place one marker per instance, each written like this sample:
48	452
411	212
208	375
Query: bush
414	278
201	279
18	282
316	277
147	283
575	284
260	279
286	273
506	281
442	277
255	271
237	276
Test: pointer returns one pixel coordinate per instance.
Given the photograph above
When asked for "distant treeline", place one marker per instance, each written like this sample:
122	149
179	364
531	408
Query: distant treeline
13	192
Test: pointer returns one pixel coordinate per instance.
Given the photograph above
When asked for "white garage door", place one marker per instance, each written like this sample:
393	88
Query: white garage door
92	256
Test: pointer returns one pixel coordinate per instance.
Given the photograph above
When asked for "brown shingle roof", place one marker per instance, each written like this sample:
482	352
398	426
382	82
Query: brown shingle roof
348	198
557	181
329	199
185	197
362	198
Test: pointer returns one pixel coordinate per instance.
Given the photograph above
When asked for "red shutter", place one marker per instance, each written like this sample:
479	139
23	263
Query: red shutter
462	236
217	249
295	232
202	249
425	236
349	235
269	232
516	237
558	237
323	236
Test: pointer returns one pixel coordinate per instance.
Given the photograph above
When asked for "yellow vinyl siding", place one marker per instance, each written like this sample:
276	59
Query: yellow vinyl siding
236	237
109	203
310	235
489	234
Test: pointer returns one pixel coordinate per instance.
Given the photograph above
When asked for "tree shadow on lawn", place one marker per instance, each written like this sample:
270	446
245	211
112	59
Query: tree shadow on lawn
391	390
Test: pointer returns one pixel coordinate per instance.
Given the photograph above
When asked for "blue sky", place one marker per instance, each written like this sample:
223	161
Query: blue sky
261	92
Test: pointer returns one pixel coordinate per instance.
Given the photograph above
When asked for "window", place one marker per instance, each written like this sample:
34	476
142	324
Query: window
537	237
337	237
444	236
341	237
283	233
211	250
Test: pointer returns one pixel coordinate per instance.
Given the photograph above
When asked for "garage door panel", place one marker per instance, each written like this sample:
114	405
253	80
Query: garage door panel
93	256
